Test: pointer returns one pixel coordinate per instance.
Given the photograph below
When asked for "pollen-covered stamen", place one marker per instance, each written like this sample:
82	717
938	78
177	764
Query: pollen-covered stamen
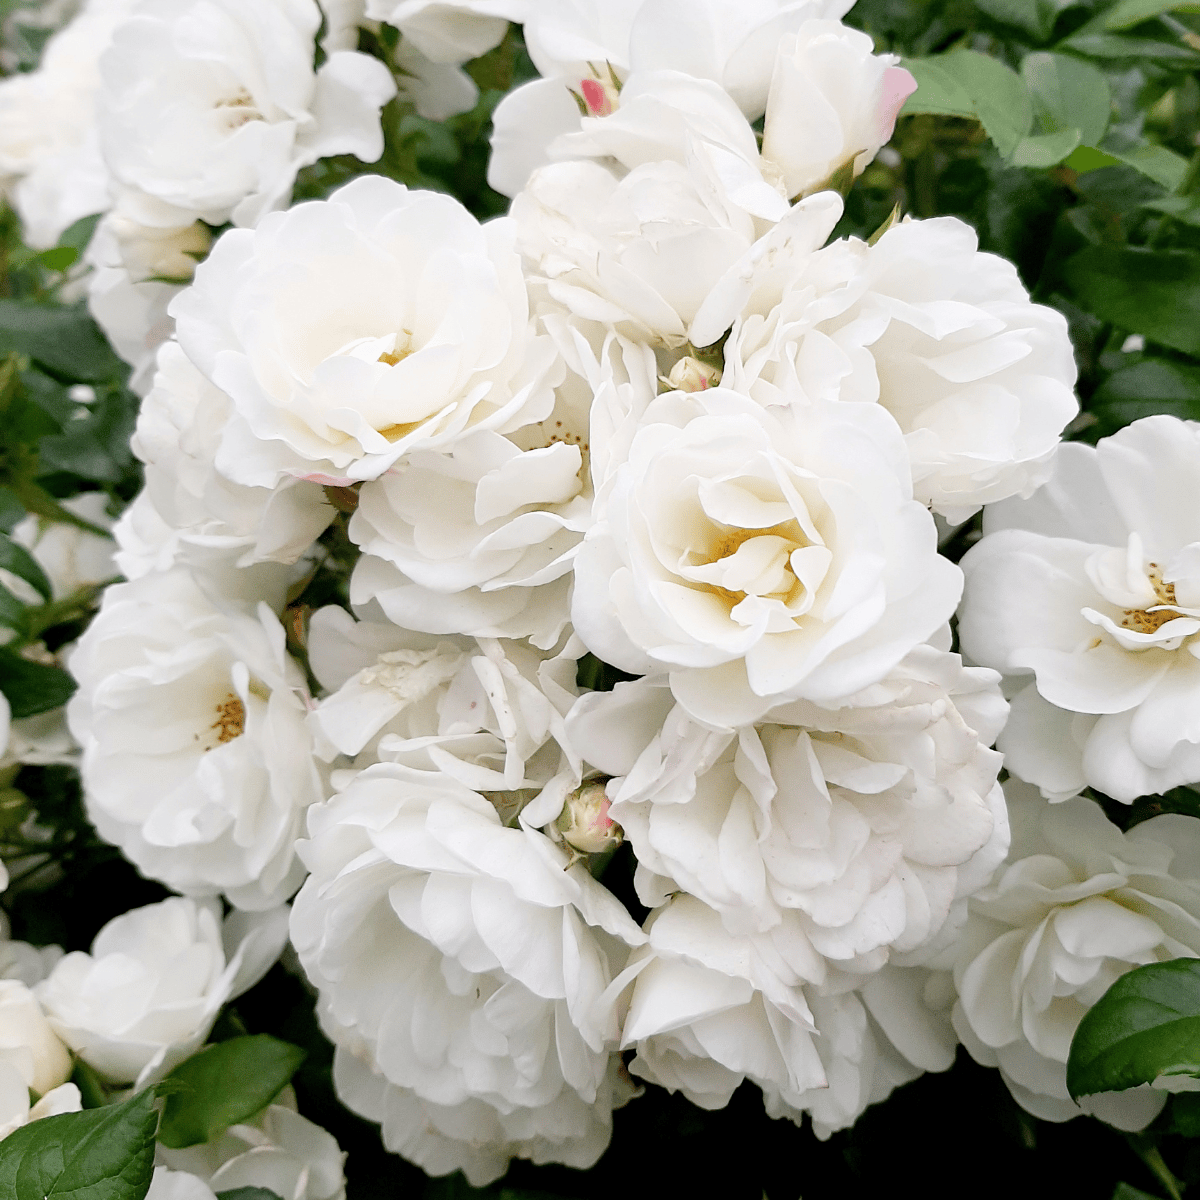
240	109
231	719
1149	620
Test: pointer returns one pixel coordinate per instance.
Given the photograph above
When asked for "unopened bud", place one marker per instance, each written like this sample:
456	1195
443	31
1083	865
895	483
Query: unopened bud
584	821
598	94
691	375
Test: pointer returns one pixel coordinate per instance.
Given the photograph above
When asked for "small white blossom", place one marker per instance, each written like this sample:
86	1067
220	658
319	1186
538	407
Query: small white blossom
212	108
277	1149
462	975
197	759
1077	904
760	555
147	995
1089	594
349	331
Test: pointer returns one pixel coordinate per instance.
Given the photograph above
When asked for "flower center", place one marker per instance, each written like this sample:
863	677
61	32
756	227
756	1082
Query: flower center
240	109
1143	620
231	719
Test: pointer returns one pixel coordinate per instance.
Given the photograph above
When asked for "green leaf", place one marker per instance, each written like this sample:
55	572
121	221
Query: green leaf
64	340
1182	208
58	258
1164	166
31	688
1143	389
1127	13
21	563
225	1084
1112	45
1035	16
1068	94
999	96
97	1154
1185	1114
249	1193
1088	158
1126	1191
12	611
938	90
1145	1026
965	83
1152	292
80	233
1045	149
95	447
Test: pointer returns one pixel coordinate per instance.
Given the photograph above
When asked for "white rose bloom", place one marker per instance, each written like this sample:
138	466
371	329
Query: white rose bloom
480	539
667	115
1076	906
246	110
349	331
436	90
450	31
25	963
486	713
590	50
761	555
139	265
197	759
641	253
166	1184
16	1110
72	557
863	824
1092	587
40	741
278	1150
832	104
147	995
50	160
710	1009
462	975
27	1042
944	337
187	503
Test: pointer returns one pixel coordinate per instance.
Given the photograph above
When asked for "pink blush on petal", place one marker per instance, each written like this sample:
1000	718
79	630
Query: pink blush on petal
898	85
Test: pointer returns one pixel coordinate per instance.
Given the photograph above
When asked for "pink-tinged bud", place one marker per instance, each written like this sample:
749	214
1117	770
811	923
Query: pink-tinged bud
691	375
600	100
584	821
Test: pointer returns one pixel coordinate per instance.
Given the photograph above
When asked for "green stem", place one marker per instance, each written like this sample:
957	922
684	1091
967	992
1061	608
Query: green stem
55	612
1149	1153
38	500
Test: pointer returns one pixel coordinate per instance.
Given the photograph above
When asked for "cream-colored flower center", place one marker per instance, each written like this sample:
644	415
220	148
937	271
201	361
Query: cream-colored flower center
767	563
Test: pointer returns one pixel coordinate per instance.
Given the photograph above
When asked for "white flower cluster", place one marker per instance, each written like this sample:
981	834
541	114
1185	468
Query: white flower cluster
654	420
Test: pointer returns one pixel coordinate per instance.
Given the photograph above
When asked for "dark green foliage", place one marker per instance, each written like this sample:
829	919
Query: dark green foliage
97	1154
1145	1026
224	1085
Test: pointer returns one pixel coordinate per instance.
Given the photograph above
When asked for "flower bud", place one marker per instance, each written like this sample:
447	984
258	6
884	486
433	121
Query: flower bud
27	1041
833	104
584	821
599	93
691	375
